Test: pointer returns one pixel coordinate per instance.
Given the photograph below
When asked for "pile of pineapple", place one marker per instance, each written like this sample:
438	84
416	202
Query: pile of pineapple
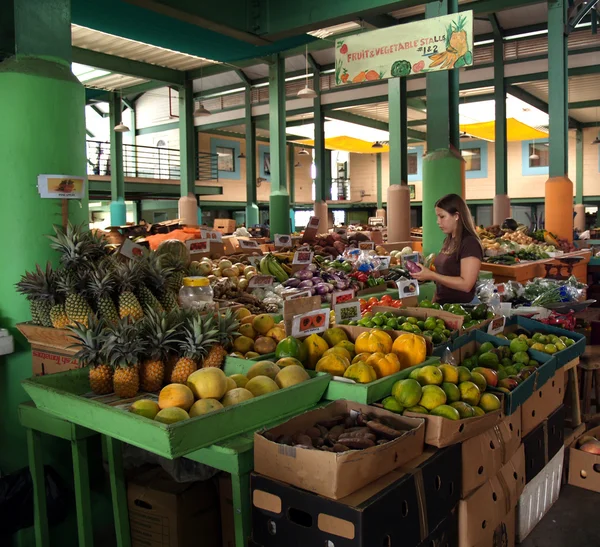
124	314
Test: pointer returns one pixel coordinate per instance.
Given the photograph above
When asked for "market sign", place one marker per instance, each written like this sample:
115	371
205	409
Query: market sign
61	186
431	45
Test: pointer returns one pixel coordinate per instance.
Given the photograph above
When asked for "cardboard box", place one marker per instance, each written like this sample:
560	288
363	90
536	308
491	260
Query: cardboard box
486	517
446	534
411	506
50	349
539	496
484	455
543	443
336	475
164	513
584	468
224	225
226	506
543	402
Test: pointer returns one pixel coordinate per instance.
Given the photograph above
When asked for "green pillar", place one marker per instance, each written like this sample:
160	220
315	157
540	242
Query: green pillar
379	181
252	216
579	167
442	167
292	179
279	203
398	125
187	139
42	108
118	210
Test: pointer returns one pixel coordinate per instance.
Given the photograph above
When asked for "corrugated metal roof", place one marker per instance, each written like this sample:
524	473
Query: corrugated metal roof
586	115
114	81
130	49
581	88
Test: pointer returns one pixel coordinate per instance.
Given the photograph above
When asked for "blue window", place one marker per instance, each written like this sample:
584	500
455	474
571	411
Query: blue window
264	162
475	154
536	157
228	151
415	163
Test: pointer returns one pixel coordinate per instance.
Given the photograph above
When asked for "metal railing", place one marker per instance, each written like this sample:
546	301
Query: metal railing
149	162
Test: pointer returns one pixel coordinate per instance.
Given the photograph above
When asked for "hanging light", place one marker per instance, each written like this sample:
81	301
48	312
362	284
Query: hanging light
297	164
596	140
121	128
304	152
201	111
242	156
306	92
534	155
377	145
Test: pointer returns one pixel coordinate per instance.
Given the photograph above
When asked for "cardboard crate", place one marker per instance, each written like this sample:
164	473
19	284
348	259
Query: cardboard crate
336	475
411	506
487	516
446	534
542	403
543	443
584	468
484	455
164	513
224	225
539	496
50	349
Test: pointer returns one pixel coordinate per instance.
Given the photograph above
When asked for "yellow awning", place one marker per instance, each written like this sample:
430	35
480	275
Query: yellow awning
348	144
515	131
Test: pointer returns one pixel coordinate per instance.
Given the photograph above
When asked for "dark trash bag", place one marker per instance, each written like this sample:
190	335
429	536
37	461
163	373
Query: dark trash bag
16	500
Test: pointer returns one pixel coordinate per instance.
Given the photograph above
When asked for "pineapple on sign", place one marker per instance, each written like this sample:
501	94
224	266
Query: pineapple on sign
90	341
199	334
227	329
159	330
124	348
40	289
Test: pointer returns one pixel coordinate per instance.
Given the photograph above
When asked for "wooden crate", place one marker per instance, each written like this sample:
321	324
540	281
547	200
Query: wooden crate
51	349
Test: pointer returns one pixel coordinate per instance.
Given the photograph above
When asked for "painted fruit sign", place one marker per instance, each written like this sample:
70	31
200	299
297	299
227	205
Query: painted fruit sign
440	43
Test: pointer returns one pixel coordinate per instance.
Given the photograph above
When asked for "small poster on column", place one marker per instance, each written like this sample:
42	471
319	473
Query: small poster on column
61	186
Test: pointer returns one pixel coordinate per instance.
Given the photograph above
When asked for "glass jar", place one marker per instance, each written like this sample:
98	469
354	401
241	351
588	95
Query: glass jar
196	294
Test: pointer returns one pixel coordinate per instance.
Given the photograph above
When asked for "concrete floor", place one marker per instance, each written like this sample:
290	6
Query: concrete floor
574	520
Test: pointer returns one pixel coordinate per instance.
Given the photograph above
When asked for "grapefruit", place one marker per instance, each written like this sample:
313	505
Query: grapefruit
264	345
208	383
176	395
231	384
261	385
290	376
204	406
243	344
247	330
263	323
145	407
236	396
287	361
263	368
172	415
239	379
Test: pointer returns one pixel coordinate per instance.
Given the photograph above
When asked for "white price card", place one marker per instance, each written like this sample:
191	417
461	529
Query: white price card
407	287
131	249
260	281
309	323
248	244
198	245
339	297
282	241
303	257
295	296
496	326
366	245
213	235
348	311
385	262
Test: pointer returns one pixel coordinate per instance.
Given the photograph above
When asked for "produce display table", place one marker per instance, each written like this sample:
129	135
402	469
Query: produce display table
529	270
234	456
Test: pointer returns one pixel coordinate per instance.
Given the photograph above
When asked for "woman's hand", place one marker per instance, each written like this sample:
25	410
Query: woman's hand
425	274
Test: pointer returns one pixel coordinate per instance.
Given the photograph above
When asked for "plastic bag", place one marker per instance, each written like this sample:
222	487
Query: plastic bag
448	358
16	500
485	290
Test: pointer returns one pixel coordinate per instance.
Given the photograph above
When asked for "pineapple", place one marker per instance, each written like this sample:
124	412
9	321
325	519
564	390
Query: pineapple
228	325
40	289
77	307
58	316
124	348
78	248
152	282
159	330
101	286
90	341
176	271
127	276
199	334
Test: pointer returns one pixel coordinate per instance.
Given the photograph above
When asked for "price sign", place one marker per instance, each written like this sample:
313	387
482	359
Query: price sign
198	245
295	296
312	322
385	262
339	297
303	257
348	311
497	326
131	249
413	257
366	245
248	244
282	241
407	287
212	235
260	281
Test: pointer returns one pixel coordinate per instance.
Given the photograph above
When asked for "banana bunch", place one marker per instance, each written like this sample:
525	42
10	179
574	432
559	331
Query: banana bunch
269	265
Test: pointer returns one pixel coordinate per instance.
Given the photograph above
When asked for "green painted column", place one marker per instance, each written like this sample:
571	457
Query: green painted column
292	179
579	221
379	181
442	166
279	202
252	216
118	210
42	112
322	160
559	189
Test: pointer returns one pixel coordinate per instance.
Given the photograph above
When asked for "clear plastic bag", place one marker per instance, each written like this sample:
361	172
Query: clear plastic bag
448	358
485	290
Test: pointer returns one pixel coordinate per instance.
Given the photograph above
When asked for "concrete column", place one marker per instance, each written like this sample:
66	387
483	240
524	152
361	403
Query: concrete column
398	199
322	212
501	208
118	210
381	213
579	221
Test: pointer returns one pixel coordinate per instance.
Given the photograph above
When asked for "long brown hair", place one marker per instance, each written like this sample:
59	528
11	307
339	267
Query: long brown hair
455	205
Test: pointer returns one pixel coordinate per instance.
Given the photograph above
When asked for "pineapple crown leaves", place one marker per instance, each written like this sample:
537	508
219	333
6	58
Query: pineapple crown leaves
199	336
160	331
154	275
128	274
68	281
101	281
75	245
124	345
90	341
228	327
38	285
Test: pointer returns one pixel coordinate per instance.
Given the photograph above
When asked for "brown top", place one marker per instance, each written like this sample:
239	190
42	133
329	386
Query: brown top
449	264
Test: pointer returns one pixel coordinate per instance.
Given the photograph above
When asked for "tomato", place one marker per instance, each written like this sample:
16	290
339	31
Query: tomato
372	301
396	303
386	298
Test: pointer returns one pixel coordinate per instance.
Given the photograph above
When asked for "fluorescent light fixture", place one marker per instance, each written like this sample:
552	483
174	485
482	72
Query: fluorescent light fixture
86	73
483	43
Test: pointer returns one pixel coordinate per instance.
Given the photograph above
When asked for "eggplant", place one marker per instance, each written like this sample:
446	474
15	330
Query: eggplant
312	267
291	283
303	274
306	284
321	288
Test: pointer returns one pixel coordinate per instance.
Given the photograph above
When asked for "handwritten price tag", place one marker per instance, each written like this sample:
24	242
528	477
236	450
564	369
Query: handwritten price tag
213	235
339	297
407	287
297	295
497	326
366	245
131	249
282	241
261	281
303	257
248	244
348	311
198	245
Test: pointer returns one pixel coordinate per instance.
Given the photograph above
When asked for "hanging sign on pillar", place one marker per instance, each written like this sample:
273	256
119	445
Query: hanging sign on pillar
61	186
431	45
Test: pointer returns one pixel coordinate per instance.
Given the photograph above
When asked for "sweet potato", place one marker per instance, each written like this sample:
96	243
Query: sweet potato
357	435
340	448
302	439
359	443
285	439
332	422
383	430
314	432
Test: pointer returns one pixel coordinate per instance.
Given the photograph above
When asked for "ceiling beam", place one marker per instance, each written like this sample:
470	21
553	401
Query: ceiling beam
584	104
349	117
383	20
120	65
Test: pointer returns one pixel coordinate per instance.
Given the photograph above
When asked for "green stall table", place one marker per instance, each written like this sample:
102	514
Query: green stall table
234	456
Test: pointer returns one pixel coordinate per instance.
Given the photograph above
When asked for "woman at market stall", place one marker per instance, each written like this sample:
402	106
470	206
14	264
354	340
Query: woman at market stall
458	263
